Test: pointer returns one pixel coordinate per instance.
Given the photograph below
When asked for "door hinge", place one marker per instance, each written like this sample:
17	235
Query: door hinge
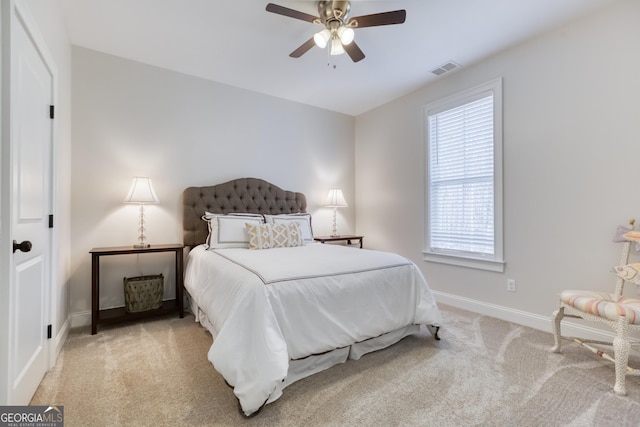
50	221
49	330
51	111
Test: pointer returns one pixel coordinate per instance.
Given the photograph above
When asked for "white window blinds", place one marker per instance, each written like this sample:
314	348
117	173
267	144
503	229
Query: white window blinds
461	178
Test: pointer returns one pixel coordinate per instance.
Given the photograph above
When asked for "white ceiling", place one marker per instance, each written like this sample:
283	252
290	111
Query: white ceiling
236	42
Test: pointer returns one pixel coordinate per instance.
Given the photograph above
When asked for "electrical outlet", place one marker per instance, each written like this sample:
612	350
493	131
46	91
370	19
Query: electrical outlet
511	285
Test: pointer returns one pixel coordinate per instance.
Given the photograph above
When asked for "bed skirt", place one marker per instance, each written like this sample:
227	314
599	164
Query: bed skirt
302	368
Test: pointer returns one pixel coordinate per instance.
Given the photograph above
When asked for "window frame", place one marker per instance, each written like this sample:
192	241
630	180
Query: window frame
493	262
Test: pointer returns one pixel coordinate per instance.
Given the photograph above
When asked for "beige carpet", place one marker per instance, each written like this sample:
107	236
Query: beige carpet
484	372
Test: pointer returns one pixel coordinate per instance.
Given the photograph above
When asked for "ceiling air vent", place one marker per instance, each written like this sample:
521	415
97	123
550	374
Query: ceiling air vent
445	68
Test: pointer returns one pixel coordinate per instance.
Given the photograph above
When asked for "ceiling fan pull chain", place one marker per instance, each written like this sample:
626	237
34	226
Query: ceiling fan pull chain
329	59
328	50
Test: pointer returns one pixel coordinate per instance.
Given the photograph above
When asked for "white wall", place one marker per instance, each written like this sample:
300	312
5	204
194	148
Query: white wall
571	175
134	119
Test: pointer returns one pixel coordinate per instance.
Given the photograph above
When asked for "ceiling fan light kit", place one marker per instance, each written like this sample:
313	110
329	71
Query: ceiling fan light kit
339	32
336	47
346	34
321	38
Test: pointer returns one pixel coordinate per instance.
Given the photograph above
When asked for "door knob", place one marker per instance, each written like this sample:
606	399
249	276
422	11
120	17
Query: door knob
23	246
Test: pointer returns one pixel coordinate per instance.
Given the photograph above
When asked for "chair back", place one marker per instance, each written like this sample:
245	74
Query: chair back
624	259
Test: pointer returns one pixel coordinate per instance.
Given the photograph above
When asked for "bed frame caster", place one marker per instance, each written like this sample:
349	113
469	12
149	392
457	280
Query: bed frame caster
434	331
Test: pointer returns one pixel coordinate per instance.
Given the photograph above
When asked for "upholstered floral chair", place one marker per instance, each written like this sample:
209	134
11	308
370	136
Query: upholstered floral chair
619	312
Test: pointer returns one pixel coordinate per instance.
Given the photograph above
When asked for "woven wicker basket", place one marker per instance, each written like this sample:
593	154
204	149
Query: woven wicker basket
143	293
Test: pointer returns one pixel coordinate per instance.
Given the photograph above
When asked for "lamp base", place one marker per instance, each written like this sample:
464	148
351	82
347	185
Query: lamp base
146	245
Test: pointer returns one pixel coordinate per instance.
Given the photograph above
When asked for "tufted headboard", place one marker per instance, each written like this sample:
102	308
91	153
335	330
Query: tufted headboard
251	195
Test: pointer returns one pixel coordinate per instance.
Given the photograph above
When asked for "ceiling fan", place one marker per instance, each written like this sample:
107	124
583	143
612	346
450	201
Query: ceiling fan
338	33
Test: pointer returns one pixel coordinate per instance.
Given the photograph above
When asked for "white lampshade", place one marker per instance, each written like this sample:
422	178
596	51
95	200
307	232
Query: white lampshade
322	38
141	191
346	34
335	199
336	46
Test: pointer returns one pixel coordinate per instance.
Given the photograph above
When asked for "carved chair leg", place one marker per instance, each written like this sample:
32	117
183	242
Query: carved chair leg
557	318
621	349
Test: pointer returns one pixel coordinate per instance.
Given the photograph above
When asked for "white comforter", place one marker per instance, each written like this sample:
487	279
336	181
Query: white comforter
266	307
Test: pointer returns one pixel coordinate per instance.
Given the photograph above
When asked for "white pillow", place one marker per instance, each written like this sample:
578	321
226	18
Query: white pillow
229	231
303	220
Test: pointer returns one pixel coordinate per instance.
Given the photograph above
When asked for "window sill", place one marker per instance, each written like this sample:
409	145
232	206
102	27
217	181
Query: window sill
477	263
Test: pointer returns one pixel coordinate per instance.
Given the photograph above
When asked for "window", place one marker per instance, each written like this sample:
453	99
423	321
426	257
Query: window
464	178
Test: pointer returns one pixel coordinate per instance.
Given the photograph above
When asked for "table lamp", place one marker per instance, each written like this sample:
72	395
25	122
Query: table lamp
335	200
141	192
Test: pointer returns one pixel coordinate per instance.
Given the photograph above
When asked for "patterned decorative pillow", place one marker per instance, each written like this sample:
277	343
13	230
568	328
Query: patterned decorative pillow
629	272
267	236
303	219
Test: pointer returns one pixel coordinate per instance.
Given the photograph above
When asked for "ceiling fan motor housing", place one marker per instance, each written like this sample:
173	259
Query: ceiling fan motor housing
333	10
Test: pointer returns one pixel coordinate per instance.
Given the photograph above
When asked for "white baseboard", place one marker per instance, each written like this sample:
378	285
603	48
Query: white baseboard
542	323
58	342
81	318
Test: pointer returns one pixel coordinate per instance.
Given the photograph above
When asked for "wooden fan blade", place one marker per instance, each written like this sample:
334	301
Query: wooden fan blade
376	19
303	49
354	51
281	10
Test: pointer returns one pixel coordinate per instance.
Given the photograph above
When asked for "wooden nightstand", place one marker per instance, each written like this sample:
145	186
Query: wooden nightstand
116	315
343	238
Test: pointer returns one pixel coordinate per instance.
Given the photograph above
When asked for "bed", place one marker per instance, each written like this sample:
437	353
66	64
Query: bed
288	307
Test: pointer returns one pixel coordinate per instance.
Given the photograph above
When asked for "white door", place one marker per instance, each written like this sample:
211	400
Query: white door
31	204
